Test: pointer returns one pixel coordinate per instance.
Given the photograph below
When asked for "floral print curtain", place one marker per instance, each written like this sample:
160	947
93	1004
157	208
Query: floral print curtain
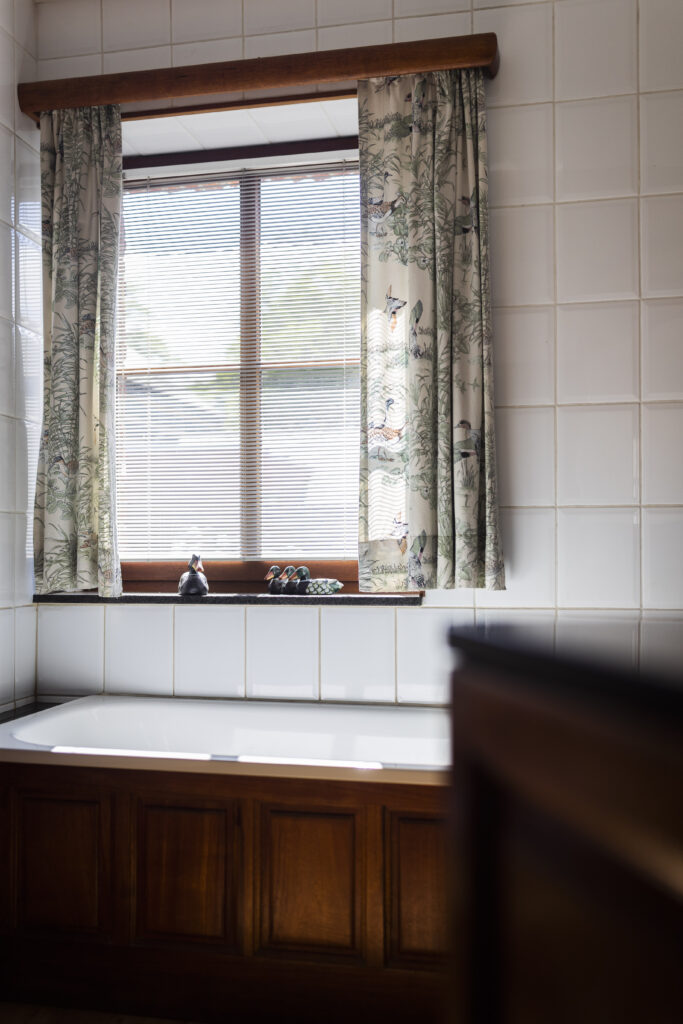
75	515
428	502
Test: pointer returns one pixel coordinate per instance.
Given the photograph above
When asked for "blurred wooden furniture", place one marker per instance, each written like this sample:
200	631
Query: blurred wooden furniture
568	801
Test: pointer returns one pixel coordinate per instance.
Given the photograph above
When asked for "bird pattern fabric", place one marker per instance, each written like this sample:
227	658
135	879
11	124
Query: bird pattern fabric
428	494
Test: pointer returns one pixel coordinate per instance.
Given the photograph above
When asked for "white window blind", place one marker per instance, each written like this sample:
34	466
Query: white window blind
238	366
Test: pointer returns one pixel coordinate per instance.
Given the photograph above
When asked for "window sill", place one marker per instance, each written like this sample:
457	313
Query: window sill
333	600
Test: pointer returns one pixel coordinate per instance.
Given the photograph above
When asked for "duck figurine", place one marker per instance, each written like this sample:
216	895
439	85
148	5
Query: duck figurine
193	582
289	580
274	581
320	587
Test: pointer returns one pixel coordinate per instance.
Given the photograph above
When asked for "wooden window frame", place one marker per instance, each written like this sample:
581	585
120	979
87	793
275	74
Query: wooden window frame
244	575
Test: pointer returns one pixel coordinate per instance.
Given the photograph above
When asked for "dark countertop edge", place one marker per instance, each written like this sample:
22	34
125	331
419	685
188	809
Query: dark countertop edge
331	600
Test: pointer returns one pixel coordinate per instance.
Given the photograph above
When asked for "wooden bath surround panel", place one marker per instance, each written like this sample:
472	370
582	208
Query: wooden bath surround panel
185	894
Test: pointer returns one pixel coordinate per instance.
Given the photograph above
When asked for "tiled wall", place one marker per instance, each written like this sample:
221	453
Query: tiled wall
586	169
20	352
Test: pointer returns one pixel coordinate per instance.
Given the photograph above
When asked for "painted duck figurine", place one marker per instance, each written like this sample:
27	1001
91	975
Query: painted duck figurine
274	581
289	580
193	581
321	586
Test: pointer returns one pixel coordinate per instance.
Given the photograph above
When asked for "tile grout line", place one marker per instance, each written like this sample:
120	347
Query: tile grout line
556	582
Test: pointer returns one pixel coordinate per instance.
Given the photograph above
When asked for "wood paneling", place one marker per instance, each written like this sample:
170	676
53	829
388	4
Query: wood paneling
289	71
417	903
184	872
63	861
309	881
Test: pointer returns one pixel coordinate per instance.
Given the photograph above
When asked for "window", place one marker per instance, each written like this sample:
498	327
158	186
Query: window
238	367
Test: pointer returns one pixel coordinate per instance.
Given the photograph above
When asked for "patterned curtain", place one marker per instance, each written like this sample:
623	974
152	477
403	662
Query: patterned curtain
428	504
75	513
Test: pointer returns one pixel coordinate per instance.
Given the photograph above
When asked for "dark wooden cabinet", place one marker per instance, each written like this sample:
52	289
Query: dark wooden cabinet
236	891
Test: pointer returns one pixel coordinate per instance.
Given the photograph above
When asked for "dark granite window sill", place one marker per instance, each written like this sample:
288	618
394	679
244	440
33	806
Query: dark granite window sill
332	600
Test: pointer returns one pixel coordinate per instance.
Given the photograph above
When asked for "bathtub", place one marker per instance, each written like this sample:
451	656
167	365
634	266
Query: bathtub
246	737
222	860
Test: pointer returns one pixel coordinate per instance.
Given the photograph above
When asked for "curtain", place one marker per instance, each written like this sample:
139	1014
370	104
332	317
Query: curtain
75	516
428	502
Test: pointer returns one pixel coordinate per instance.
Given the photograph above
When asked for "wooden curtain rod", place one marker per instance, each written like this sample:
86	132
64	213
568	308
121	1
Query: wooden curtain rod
289	71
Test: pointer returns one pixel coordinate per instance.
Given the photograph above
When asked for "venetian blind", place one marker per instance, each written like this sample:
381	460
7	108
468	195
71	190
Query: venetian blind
237	417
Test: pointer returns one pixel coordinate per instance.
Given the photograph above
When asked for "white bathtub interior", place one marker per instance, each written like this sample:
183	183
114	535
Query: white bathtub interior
367	736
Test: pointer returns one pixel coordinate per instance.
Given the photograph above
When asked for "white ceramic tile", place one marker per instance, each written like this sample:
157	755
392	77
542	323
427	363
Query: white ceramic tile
524	356
520	154
597	352
25	25
6	656
533	627
595	48
661	643
70	648
598	558
24	582
407	7
27	440
282	652
137	60
528	537
331	12
662	462
28	214
6	272
29	283
279	43
597	455
26	70
212	19
525	442
261	16
7	464
371	33
424	659
661	148
128	23
662	558
608	637
357	654
6	368
28	380
7	544
7	84
662	230
68	28
208	52
24	652
461	597
209	651
70	67
597	148
6	175
663	349
7	16
139	649
435	26
521	249
597	251
661	31
526	47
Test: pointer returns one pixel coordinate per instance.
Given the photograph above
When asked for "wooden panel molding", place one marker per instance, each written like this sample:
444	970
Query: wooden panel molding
416	903
287	72
185	872
310	876
63	858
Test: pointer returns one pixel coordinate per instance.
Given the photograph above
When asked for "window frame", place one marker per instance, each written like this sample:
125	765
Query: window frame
244	575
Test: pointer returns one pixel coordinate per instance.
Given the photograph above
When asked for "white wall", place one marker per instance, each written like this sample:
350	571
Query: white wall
586	169
20	352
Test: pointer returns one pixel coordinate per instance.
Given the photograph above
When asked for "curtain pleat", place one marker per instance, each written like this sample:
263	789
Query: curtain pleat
428	496
75	513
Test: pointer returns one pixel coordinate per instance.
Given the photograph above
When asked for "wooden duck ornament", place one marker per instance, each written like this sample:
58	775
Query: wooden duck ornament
298	581
193	581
